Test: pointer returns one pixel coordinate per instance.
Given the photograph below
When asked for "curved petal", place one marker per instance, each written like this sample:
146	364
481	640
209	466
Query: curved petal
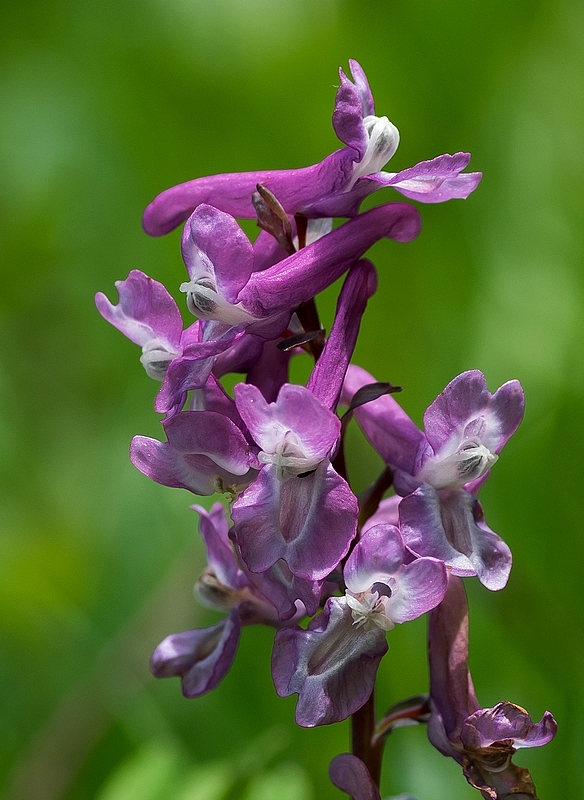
349	111
201	658
295	189
376	557
419	587
213	527
385	424
331	665
304	274
349	774
466	408
287	593
433	181
423	530
191	370
309	522
145	311
296	410
211	434
218	237
507	721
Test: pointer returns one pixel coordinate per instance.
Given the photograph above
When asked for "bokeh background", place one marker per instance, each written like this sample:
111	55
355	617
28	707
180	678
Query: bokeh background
103	105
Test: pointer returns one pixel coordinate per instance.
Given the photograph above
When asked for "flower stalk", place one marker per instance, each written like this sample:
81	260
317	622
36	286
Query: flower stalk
292	547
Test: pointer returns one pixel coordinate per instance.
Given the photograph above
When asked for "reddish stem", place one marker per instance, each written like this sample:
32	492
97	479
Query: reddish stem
363	744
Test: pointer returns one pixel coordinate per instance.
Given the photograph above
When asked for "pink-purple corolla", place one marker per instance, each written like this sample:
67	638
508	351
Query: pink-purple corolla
336	186
438	472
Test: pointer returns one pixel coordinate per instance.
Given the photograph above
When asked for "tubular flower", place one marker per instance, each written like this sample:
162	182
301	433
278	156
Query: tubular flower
333	663
240	307
482	740
334	187
439	472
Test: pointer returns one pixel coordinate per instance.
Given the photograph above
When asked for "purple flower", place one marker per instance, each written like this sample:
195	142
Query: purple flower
149	317
297	494
440	471
482	740
333	663
203	657
241	307
334	187
206	452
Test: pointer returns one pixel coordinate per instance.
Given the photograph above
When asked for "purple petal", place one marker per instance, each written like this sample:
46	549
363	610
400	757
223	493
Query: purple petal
348	114
434	181
296	410
450	526
349	774
213	236
362	87
377	556
214	526
387	514
423	531
466	408
286	591
205	452
331	665
210	434
191	370
451	689
295	189
389	429
420	586
146	311
327	377
506	721
304	274
202	658
288	520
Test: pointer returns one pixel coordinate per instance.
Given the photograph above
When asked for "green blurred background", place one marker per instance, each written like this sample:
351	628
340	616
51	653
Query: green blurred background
103	105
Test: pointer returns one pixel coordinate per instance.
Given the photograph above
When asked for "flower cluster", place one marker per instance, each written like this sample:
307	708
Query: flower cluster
295	549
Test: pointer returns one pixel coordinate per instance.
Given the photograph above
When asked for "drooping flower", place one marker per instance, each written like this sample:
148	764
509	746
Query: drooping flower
482	740
334	187
149	317
202	657
439	472
333	663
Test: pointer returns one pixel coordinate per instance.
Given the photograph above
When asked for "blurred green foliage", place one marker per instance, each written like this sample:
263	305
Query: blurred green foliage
102	105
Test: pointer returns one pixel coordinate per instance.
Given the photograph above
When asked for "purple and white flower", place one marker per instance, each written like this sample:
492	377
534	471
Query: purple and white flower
439	472
482	740
336	186
333	663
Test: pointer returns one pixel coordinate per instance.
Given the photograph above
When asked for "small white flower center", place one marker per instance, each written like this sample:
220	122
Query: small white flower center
204	302
368	608
289	458
469	462
155	359
383	142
